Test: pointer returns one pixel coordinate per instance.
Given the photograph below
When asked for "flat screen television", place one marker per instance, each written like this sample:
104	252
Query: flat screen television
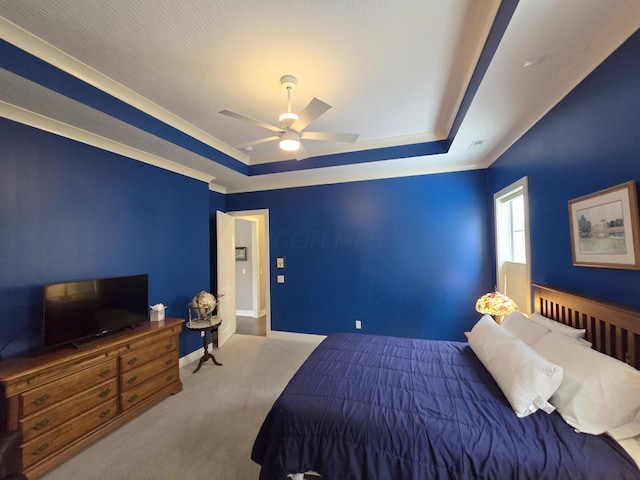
78	312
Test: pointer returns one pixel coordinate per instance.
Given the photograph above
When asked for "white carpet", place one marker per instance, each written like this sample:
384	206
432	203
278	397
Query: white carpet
207	430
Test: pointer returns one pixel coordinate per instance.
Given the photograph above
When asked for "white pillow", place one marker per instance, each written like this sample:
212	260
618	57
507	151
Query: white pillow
520	326
598	393
557	326
525	378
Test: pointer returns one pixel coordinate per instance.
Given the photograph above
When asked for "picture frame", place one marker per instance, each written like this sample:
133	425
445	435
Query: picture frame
241	254
605	228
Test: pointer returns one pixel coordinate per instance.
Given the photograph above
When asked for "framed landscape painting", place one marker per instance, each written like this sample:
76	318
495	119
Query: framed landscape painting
604	228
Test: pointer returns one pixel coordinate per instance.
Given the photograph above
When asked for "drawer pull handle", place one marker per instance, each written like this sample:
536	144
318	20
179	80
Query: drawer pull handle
104	393
169	346
41	399
41	449
169	362
169	377
105	413
42	423
132	379
105	372
132	398
133	361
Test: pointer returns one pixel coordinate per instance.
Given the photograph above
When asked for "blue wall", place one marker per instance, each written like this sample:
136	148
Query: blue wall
407	256
69	211
588	142
217	202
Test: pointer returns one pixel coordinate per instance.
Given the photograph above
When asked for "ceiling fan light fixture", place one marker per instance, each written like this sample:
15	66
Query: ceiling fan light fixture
288	116
287	119
289	142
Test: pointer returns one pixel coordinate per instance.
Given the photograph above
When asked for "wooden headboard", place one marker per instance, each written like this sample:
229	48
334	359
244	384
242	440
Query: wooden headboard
612	329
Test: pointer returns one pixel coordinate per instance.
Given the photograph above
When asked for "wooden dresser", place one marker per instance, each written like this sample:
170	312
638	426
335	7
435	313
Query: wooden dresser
64	400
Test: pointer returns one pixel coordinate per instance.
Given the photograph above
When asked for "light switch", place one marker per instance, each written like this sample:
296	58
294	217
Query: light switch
244	271
280	278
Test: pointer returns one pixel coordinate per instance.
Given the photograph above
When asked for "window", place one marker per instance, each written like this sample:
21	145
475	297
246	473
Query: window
516	246
512	257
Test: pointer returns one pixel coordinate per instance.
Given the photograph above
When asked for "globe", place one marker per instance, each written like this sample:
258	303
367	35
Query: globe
203	304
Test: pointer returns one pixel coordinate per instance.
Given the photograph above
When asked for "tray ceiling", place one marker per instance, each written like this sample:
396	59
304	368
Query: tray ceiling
429	86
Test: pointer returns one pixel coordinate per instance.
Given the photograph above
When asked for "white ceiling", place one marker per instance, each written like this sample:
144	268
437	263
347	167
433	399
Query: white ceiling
395	73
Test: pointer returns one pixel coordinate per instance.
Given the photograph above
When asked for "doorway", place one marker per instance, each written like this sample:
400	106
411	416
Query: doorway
253	302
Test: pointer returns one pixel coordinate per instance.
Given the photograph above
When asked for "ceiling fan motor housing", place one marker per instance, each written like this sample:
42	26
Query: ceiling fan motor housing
288	82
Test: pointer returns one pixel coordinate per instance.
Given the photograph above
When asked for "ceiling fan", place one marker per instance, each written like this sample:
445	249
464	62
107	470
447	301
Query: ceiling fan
292	127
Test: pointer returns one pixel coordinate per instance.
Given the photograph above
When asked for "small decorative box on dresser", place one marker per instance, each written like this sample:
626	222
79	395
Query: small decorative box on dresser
64	400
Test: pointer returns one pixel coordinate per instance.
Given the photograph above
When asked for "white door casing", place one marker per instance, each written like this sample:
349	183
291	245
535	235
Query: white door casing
226	295
264	271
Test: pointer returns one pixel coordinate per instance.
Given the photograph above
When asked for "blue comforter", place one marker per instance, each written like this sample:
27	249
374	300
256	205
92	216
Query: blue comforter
367	407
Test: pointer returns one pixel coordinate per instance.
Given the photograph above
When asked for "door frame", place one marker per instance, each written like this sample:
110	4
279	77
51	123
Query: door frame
264	213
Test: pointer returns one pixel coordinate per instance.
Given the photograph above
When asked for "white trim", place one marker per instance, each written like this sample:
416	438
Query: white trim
50	125
255	271
499	197
263	212
283	180
191	357
245	313
398	141
298	337
45	51
217	188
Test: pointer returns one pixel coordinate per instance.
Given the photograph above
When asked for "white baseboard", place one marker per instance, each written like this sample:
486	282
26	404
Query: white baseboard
191	357
245	313
300	337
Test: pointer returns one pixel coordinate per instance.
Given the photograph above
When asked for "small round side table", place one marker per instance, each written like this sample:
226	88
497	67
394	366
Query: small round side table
208	327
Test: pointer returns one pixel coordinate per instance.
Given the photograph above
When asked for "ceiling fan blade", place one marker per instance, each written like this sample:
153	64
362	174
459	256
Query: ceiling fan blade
313	110
258	142
301	153
331	137
259	123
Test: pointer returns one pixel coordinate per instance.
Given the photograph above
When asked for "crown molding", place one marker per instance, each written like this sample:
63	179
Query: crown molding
28	42
47	124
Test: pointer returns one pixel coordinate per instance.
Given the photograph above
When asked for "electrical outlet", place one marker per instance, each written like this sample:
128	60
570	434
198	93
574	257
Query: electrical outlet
202	334
358	324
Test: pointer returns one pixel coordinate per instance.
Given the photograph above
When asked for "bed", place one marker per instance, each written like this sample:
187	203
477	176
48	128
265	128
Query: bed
371	407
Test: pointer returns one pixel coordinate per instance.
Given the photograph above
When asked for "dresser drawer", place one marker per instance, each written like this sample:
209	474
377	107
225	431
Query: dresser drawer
48	443
147	370
38	398
134	359
151	338
67	368
137	394
56	415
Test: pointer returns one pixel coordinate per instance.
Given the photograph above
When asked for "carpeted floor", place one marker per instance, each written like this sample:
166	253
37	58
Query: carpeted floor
206	431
